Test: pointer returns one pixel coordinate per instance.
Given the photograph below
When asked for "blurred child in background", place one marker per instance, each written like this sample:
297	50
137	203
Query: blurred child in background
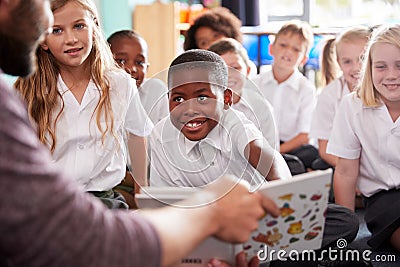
349	48
255	107
211	26
290	93
130	51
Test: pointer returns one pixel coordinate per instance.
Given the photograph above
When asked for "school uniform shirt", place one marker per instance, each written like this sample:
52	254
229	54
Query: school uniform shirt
177	161
293	102
327	105
253	69
258	110
58	224
154	97
368	133
97	164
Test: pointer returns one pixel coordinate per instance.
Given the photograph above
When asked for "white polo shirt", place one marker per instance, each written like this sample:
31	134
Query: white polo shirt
293	102
97	165
257	109
154	97
327	105
370	135
177	161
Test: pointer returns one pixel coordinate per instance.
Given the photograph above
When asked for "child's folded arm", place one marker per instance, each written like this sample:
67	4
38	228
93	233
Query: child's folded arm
266	160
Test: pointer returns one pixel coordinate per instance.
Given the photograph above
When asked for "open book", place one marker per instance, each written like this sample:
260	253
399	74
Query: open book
302	200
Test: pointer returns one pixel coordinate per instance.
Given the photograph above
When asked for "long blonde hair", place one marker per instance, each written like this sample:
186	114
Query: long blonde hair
40	89
388	34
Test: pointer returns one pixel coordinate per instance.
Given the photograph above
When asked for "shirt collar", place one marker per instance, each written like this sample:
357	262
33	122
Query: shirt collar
62	87
359	101
292	82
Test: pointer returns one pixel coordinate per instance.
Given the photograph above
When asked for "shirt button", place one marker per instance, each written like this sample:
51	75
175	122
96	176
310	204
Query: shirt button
81	146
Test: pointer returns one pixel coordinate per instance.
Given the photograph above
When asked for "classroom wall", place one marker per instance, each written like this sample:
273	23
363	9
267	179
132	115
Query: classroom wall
114	15
117	15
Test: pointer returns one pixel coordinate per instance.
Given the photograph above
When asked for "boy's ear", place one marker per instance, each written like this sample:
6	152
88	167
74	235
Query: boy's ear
303	61
271	49
227	98
248	71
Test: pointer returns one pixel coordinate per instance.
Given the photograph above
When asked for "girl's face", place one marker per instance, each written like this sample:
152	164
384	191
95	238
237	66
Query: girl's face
205	36
238	72
71	39
385	59
131	55
349	57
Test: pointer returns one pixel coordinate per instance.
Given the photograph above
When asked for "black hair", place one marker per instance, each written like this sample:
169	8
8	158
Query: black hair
122	34
201	59
219	19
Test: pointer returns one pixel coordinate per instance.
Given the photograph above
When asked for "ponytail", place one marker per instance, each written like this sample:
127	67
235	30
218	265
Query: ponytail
329	66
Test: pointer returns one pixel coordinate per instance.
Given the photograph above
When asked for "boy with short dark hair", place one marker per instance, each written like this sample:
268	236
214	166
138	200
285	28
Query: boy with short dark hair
130	51
203	138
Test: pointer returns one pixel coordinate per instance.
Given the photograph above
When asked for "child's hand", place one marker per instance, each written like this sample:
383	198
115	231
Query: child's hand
240	262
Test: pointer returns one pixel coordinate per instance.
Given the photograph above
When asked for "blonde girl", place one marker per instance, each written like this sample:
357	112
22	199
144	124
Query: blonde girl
366	139
347	50
82	103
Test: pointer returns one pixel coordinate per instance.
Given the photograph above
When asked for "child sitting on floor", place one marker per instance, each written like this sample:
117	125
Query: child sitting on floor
203	138
292	95
350	47
368	157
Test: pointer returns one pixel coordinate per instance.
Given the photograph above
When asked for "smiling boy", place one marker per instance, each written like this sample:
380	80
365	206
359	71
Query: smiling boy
203	138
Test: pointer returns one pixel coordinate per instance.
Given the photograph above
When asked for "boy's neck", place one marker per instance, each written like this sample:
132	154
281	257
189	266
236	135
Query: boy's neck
281	75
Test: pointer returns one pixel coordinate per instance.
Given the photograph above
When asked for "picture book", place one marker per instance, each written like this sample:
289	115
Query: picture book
302	200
